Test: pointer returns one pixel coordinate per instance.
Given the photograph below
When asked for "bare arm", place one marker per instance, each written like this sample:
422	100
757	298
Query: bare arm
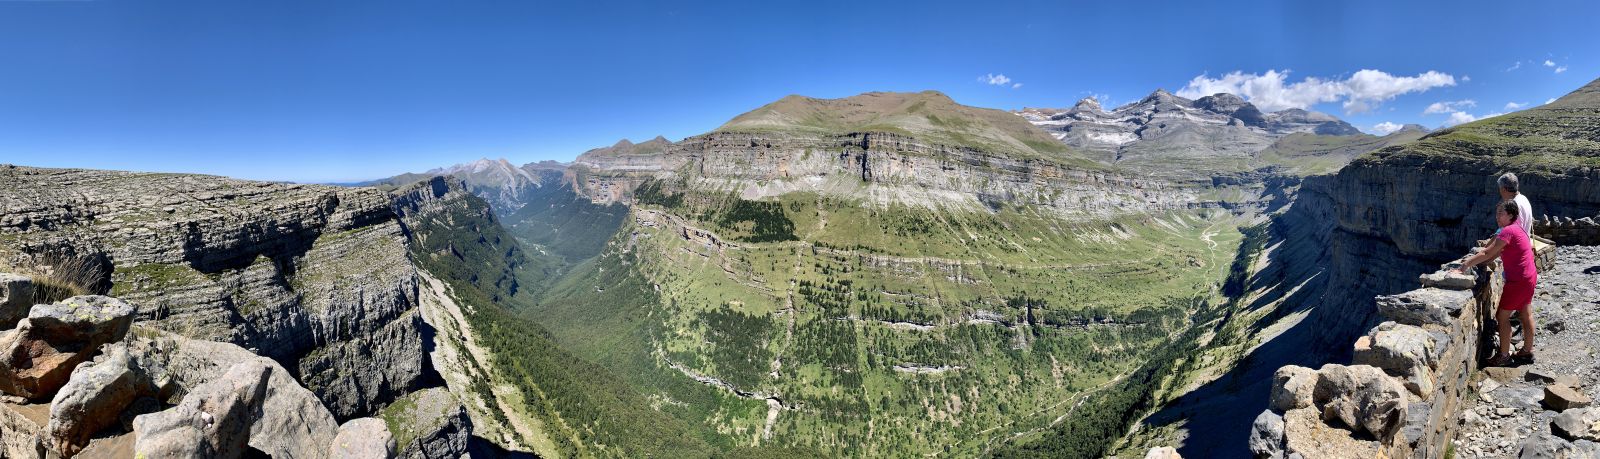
1495	246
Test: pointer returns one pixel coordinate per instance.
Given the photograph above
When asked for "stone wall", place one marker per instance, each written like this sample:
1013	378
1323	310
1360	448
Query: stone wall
1567	230
1407	383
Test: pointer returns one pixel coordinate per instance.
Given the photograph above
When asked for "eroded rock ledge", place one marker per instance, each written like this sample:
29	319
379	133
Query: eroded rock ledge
1407	384
314	277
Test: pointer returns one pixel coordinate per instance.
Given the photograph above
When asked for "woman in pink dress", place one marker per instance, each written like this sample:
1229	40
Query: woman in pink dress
1511	244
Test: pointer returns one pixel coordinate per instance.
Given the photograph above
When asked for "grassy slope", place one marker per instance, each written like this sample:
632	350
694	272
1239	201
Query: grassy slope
590	410
1310	154
927	115
727	315
557	221
1553	138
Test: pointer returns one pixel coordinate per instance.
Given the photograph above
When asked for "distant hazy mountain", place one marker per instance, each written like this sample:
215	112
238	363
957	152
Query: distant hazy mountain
1167	135
495	180
1310	154
626	155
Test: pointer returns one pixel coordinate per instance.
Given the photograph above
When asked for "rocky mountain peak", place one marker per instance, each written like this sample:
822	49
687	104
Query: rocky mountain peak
1088	104
1234	106
1161	96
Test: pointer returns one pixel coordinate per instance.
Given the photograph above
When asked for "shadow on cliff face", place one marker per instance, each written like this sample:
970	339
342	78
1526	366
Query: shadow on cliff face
1314	275
430	376
281	244
1218	414
480	447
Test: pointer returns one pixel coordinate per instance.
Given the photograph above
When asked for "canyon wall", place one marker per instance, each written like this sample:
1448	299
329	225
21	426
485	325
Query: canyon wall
315	277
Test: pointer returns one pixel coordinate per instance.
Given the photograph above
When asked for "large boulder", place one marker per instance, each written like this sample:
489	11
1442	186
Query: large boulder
93	399
1405	351
212	421
1448	280
1266	435
363	438
1423	306
37	357
1162	452
1362	397
1292	387
1561	398
293	423
1577	424
1545	446
16	296
1305	435
430	424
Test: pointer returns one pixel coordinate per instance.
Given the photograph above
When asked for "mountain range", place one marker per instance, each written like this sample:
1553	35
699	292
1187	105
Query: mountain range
882	275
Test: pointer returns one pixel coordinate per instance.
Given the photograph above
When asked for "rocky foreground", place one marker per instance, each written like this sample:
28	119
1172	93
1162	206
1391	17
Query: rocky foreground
167	315
80	380
1543	409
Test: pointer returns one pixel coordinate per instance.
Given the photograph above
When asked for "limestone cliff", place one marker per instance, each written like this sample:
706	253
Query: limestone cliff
883	167
314	277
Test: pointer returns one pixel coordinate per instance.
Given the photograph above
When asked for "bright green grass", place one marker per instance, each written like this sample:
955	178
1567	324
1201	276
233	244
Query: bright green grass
868	289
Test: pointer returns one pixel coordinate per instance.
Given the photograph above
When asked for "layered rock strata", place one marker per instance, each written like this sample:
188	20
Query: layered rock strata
314	277
37	357
900	168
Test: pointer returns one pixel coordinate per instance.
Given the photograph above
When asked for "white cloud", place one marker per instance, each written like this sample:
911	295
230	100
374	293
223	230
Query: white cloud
1386	128
1362	91
1514	66
1514	105
1552	64
1464	117
998	79
1449	106
1466	78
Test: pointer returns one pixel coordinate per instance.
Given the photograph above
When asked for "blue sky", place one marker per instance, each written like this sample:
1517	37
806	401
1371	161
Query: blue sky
345	90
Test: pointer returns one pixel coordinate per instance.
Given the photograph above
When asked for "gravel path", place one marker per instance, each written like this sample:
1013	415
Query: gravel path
1507	417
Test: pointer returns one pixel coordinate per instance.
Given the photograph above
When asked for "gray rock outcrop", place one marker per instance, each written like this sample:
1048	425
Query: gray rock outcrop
1400	350
1292	387
314	277
363	438
1361	397
16	296
1266	435
37	357
1448	280
214	420
1577	424
292	422
93	398
1423	307
431	424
